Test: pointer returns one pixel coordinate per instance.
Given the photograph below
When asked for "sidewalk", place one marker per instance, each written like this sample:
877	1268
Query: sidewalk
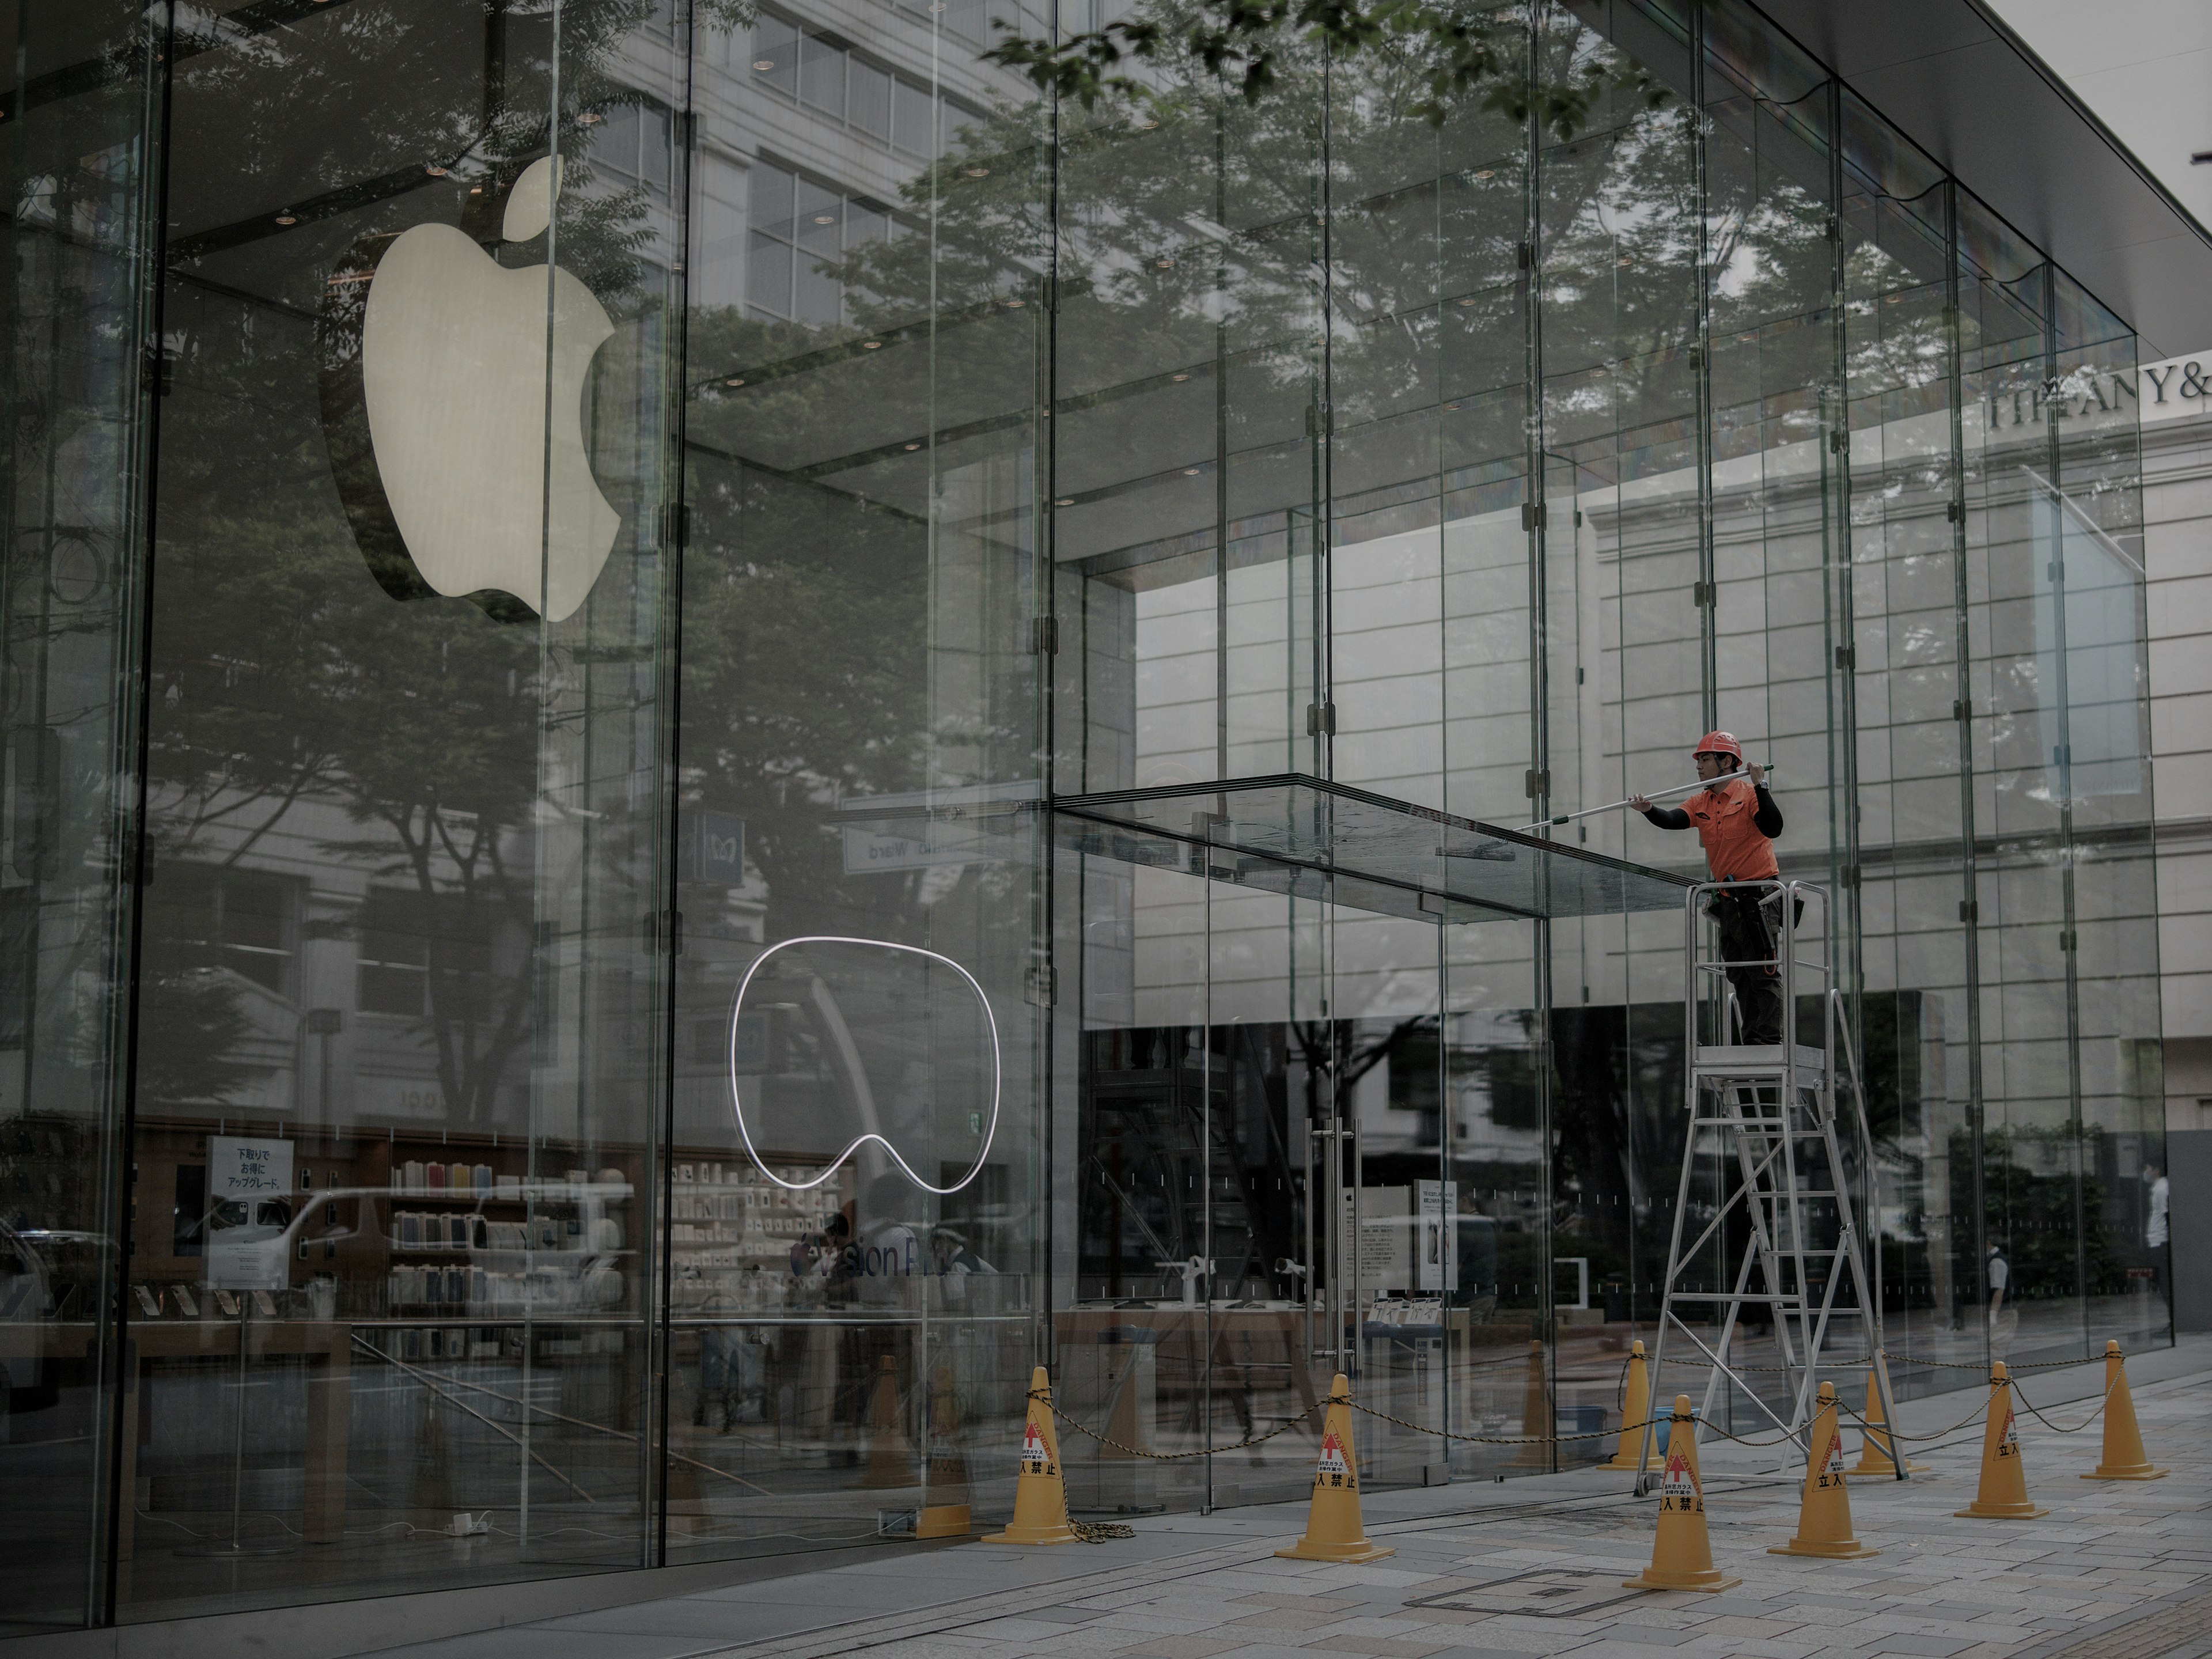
1533	1567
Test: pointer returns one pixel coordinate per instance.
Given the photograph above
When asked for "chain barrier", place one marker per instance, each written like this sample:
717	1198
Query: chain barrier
2078	1427
1044	1399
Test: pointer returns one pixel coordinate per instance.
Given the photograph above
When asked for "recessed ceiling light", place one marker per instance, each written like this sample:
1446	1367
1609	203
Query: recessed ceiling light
1146	126
590	119
825	218
977	172
914	446
1625	259
1191	472
1165	264
287	218
435	171
871	345
1487	173
763	64
1466	299
1452	405
1015	305
1178	377
1065	500
735	380
1896	299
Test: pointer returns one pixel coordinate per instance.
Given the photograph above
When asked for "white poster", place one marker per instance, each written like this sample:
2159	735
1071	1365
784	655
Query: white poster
1384	1238
1435	1265
245	1175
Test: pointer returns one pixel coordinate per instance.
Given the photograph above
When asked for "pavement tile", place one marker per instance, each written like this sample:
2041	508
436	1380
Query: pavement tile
1181	1647
1292	1619
1392	1648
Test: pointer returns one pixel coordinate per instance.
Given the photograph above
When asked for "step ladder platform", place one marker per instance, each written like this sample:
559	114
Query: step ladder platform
1757	1058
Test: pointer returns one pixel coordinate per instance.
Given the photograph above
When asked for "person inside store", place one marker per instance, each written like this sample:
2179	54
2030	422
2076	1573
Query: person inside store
1736	819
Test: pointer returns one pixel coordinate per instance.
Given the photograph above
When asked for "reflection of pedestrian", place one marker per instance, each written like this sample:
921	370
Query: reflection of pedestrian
2154	1225
1998	1273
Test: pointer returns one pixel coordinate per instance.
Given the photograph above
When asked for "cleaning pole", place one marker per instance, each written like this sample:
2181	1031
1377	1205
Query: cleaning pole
1655	794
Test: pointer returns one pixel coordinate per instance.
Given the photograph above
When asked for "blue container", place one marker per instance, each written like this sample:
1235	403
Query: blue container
1666	1426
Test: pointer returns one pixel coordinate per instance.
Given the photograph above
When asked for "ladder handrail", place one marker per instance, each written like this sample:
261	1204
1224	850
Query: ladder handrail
1866	1146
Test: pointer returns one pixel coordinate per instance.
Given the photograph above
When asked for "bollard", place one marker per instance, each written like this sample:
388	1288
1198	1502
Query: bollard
890	1454
1536	1423
2124	1458
1040	1493
1635	1408
944	1513
1824	1520
2002	1495
1681	1550
1334	1531
1876	1452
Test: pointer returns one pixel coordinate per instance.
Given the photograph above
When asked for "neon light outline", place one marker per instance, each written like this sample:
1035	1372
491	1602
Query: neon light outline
737	1102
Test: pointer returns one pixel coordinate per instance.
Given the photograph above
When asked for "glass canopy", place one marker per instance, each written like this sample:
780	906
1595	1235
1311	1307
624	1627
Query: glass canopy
1290	833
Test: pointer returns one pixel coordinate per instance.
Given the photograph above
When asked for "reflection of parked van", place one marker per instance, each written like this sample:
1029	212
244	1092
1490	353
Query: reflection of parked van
27	1305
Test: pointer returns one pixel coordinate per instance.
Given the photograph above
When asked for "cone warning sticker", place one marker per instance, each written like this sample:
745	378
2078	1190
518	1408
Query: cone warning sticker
2009	1442
1332	1468
1037	1458
1832	1465
1678	1487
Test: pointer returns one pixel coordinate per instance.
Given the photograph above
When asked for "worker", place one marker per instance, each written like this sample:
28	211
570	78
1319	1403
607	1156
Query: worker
1737	820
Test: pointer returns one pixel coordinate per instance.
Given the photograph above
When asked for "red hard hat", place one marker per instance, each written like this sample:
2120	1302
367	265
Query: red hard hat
1718	742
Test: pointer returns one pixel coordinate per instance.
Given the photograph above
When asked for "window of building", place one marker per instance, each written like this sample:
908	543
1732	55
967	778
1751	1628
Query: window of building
421	954
241	920
822	75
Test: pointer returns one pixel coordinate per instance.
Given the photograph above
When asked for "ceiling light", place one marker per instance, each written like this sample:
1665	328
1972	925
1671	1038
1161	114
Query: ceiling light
476	189
763	64
1486	173
1896	299
1178	377
1625	260
287	218
1165	264
1191	472
435	171
1015	305
914	446
825	218
590	119
735	380
1467	300
1452	405
977	172
1065	500
871	345
1146	126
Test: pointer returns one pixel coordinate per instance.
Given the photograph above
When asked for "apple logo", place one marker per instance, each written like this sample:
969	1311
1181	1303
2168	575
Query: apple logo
900	1037
446	394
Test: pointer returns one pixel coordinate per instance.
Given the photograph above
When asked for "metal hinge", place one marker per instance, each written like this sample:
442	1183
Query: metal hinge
1532	515
1955	512
1044	984
1962	707
675	523
1321	720
1527	256
1703	593
2068	939
664	932
1537	784
161	370
1970	910
1840	440
1847	656
1848	876
1044	635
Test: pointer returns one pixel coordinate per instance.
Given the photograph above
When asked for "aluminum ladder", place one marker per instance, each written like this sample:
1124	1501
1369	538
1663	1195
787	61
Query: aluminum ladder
1774	1107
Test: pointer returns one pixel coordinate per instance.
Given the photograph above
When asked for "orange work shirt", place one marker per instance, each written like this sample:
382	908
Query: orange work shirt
1735	848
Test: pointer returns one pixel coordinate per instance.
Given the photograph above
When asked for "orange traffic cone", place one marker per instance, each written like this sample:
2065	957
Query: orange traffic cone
2124	1458
1536	1423
1682	1551
2002	1495
1823	1521
890	1454
1635	1408
945	1511
1040	1493
1334	1531
1877	1451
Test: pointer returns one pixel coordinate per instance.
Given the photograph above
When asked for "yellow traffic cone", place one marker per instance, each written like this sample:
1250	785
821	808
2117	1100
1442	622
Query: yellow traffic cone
1682	1551
1823	1521
1040	1493
1334	1531
2124	1458
890	1454
1634	1410
2002	1495
1536	1423
1876	1451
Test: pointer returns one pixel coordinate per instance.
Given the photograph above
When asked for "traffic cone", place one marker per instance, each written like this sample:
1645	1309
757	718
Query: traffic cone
890	1453
1040	1493
1536	1422
2124	1458
1876	1450
1823	1521
1682	1551
2002	1495
1634	1410
945	1514
1334	1531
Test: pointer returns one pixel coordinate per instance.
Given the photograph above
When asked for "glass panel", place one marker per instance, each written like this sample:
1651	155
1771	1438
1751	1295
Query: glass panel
78	178
400	934
858	1219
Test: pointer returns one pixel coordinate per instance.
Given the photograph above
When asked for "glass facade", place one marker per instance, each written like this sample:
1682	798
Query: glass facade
715	730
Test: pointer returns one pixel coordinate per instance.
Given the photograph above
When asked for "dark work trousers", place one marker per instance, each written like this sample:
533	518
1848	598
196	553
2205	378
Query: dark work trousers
1747	934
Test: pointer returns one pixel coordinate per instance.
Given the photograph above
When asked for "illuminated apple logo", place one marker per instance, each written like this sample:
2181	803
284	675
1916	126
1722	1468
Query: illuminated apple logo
452	393
838	1043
